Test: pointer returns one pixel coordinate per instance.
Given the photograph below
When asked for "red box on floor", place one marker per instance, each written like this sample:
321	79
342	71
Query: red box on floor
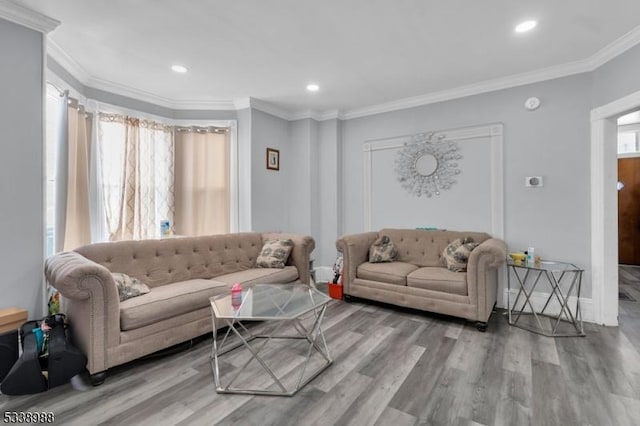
335	290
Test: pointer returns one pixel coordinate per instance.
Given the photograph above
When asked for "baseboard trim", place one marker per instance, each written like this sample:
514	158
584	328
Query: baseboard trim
538	300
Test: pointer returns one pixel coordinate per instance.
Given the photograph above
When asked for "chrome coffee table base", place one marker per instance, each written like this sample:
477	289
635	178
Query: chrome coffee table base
256	343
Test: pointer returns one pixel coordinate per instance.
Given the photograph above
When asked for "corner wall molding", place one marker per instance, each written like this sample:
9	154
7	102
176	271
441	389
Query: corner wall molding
19	14
491	132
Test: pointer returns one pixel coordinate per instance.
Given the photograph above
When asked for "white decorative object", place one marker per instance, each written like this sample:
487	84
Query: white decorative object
532	103
425	165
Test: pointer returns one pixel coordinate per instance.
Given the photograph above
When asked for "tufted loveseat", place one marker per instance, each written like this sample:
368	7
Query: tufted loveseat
182	273
419	279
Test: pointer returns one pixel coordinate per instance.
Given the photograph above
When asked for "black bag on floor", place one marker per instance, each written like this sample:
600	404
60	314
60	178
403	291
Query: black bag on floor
43	365
8	352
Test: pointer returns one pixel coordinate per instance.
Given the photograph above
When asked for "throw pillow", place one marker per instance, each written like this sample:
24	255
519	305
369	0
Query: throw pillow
456	254
382	250
274	254
129	287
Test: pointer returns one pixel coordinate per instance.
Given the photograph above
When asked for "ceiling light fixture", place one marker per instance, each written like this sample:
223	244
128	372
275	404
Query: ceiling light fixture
525	26
313	87
179	69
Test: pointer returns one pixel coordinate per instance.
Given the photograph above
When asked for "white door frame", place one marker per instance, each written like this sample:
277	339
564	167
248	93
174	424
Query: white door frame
604	206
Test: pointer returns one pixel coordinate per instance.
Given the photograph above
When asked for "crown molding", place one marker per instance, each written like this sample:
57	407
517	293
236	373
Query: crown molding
598	59
604	55
270	108
616	48
242	103
67	62
315	115
19	14
141	95
516	80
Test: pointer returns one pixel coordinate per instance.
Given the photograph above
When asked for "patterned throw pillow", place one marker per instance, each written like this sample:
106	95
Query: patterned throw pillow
274	254
456	254
382	250
129	287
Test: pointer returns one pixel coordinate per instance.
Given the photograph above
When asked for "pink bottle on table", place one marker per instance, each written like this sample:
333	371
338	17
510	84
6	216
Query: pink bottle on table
236	295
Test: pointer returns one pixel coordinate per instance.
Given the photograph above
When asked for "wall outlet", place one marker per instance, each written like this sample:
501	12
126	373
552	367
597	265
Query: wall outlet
533	181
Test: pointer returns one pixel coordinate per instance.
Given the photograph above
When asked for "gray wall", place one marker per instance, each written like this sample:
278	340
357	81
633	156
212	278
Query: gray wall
21	168
552	141
244	170
270	189
329	192
300	187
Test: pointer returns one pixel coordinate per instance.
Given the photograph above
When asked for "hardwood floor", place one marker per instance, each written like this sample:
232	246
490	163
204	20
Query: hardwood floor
391	366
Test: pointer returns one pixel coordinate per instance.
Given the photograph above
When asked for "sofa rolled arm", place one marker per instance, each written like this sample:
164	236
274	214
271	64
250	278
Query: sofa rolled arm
67	273
355	251
492	251
300	255
90	301
482	275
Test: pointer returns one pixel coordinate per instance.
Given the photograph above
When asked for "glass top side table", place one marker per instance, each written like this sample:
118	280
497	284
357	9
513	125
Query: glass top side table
560	314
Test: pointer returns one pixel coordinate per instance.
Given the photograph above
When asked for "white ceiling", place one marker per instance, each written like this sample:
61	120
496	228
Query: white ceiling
360	52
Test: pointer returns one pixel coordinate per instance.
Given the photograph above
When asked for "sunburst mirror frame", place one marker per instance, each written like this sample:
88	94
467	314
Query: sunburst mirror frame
418	181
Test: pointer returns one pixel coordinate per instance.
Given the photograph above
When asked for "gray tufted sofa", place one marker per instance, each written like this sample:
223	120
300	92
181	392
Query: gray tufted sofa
419	278
183	273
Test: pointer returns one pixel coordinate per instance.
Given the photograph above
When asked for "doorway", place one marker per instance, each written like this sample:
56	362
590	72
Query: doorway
604	208
628	187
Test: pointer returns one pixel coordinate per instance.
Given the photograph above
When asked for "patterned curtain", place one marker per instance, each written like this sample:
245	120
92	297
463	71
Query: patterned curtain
137	159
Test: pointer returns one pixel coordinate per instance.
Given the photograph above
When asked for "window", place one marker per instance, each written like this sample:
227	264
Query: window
628	129
126	186
137	164
53	109
627	141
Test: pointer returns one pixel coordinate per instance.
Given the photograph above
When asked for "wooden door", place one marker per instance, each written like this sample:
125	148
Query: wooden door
629	211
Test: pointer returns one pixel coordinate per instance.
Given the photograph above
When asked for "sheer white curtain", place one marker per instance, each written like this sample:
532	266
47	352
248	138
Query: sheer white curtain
202	181
137	169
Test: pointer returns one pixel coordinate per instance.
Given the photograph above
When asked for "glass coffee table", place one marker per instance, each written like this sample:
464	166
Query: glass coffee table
276	305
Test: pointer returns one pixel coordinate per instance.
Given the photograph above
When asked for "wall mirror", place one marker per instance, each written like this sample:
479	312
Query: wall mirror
426	164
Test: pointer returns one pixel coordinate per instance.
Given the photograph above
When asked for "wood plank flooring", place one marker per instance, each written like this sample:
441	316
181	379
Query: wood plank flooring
391	367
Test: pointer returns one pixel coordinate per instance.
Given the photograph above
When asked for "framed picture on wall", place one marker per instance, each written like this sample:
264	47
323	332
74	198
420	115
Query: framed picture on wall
273	159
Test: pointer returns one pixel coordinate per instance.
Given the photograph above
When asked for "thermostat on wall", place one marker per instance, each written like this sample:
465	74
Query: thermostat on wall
533	181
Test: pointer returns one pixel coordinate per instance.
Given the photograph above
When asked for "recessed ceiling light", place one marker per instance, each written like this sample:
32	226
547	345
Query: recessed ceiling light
313	87
179	69
525	26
